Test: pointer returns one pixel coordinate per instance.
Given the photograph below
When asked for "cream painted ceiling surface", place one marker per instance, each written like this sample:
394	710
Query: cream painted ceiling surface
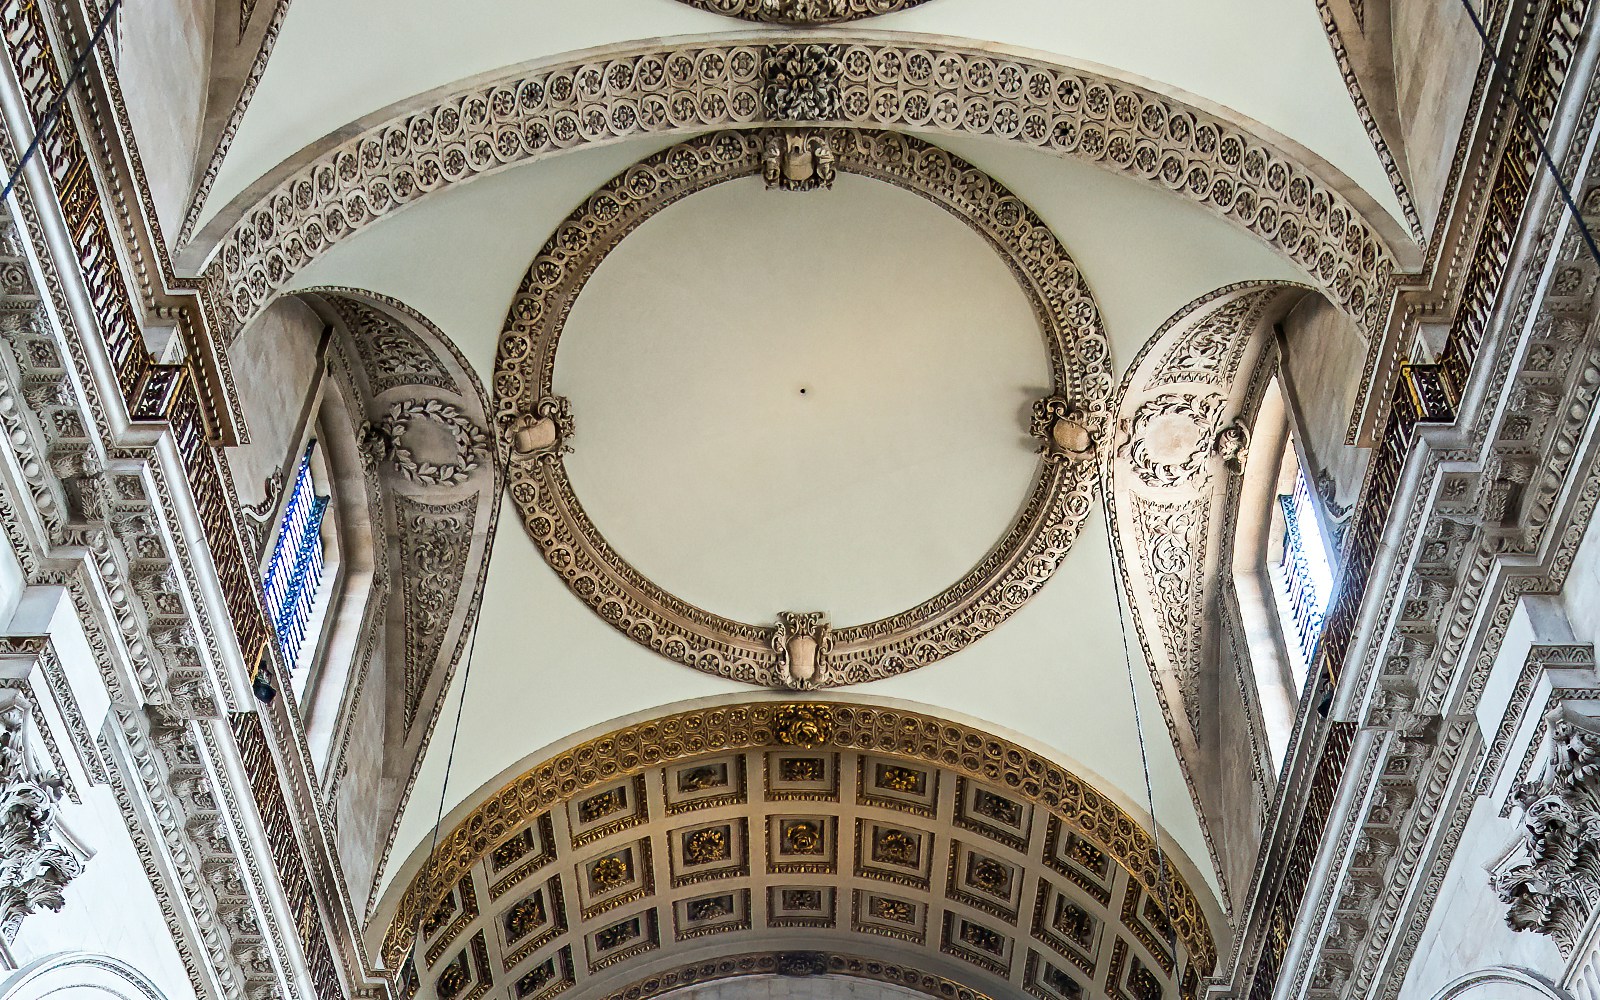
1267	61
546	671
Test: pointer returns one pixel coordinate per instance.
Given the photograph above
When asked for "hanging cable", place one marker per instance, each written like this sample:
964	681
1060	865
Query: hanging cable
1534	130
53	112
444	783
1163	878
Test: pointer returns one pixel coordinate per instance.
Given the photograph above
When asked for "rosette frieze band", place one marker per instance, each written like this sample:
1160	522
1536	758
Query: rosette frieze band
537	422
261	244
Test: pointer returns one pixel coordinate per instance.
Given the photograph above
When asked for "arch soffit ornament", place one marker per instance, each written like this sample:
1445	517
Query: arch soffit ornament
276	228
432	475
51	974
513	819
771	963
1018	565
1180	441
802	12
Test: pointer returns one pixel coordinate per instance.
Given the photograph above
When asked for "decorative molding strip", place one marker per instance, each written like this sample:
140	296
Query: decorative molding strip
1073	112
802	12
1019	564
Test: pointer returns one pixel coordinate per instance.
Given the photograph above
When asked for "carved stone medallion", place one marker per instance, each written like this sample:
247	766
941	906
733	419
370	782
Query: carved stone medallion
803	650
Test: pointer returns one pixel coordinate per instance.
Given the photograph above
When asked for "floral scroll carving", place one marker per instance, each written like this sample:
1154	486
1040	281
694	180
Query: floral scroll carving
1067	111
34	867
1018	565
802	12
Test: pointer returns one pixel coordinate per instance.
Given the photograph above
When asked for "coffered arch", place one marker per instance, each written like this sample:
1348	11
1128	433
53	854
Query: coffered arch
884	837
1277	192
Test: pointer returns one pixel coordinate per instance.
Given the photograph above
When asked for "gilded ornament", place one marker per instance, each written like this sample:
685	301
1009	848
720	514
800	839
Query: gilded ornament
805	726
714	908
897	910
802	769
609	872
705	846
598	807
900	779
897	847
524	917
617	934
990	875
802	837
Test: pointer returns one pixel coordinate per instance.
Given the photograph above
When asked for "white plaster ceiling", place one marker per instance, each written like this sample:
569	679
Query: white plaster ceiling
337	61
776	401
546	669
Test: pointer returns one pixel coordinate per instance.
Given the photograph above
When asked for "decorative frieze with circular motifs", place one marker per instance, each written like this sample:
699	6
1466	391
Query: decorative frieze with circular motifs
802	11
802	650
1073	112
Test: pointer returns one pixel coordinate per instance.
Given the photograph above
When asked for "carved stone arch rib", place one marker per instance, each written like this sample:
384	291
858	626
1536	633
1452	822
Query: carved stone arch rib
1277	192
433	484
1182	412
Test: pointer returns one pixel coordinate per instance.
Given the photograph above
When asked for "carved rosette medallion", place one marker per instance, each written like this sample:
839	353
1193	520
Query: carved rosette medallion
1171	437
802	651
802	12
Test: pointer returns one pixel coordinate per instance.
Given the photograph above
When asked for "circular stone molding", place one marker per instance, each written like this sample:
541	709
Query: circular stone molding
802	11
801	650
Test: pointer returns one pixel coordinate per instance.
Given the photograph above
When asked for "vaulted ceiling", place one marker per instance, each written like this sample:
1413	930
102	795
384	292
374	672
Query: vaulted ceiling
792	402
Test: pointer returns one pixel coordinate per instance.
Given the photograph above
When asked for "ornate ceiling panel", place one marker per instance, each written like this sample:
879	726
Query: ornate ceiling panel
787	830
802	649
1073	112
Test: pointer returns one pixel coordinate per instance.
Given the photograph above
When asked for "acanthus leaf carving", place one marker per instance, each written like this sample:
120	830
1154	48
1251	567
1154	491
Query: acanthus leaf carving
801	82
1557	887
34	867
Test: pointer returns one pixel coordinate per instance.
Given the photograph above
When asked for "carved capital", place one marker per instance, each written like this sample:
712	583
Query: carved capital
1556	885
34	868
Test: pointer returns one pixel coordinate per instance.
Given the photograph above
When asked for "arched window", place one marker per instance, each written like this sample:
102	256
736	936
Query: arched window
1285	565
1302	563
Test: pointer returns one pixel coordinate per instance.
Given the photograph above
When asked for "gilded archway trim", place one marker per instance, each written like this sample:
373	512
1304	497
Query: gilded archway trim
802	12
1017	566
835	726
270	233
775	963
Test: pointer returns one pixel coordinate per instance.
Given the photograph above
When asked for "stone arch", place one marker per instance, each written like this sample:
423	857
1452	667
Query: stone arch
1501	983
78	976
1281	194
414	457
632	826
1171	494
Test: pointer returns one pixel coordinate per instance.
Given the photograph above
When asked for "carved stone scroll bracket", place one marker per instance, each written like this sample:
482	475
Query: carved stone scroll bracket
802	642
35	867
1554	886
544	433
1066	431
1232	445
798	160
